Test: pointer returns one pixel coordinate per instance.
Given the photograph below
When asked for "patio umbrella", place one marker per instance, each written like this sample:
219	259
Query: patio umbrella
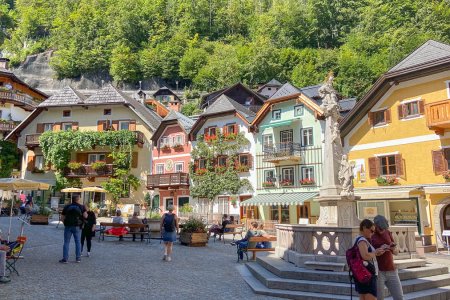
71	190
10	184
94	189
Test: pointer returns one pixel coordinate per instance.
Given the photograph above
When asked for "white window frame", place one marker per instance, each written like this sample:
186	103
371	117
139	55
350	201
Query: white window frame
163	141
276	114
157	170
273	179
310	137
64	124
124	122
268	137
39	162
96	157
215	131
295	110
291	171
46	128
307	172
178	140
177	164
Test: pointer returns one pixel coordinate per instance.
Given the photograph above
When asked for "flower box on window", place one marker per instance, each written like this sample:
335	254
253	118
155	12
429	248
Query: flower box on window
230	136
268	184
220	169
388	180
165	148
242	168
200	171
177	147
286	182
209	138
74	165
37	171
446	175
307	181
98	165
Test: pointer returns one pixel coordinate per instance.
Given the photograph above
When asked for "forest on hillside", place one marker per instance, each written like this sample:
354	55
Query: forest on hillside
213	43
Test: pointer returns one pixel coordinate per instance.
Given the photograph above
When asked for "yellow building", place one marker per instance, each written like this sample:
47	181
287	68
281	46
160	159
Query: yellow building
107	109
398	136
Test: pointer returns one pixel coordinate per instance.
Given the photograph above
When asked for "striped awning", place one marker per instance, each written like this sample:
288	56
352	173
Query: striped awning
279	199
277	124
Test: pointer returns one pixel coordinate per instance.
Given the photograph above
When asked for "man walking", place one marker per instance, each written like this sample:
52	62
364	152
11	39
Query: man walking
72	217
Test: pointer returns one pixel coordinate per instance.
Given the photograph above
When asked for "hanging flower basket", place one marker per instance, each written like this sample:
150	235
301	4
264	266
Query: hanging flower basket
307	182
386	180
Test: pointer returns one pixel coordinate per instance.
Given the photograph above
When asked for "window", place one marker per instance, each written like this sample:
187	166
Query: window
223	205
307	137
447	85
244	160
202	163
248	101
93	157
39	162
276	114
178	140
379	117
231	128
441	161
280	213
211	131
66	126
159	168
269	89
107	112
410	109
298	110
308	173
287	176
269	176
222	161
48	126
267	142
388	166
179	167
182	201
66	113
124	125
163	141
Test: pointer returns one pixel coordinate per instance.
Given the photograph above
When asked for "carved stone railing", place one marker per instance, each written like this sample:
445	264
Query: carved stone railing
297	243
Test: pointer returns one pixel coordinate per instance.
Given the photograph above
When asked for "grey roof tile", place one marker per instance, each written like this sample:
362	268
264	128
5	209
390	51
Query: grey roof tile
286	90
274	82
183	120
226	104
108	94
429	51
66	97
347	104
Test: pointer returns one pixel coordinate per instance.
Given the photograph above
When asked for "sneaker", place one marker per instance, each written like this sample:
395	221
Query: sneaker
233	244
168	258
4	279
88	254
165	257
63	261
78	260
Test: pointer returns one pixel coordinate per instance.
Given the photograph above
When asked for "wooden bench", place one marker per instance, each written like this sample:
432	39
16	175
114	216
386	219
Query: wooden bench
257	239
143	229
232	229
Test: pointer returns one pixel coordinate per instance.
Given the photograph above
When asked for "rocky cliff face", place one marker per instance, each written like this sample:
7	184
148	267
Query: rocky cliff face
36	72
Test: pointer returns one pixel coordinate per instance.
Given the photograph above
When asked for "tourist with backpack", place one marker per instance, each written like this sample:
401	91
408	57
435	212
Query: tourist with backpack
73	216
169	230
387	273
367	289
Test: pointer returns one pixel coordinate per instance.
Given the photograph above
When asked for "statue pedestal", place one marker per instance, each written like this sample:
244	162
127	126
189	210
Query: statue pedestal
337	211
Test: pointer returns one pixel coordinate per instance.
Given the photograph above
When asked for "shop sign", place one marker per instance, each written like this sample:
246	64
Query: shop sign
370	212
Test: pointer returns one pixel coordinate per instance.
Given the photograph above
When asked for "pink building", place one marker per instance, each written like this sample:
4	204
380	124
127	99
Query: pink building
171	158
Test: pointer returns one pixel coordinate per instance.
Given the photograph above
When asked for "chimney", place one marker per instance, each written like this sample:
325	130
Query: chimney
4	63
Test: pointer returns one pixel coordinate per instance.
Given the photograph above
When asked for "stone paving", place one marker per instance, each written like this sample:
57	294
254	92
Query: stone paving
120	270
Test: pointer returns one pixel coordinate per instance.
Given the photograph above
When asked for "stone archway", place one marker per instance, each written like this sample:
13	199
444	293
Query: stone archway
437	217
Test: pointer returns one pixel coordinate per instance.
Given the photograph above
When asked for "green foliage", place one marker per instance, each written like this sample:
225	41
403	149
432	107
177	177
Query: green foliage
212	181
213	43
191	108
153	215
148	199
193	225
9	158
186	208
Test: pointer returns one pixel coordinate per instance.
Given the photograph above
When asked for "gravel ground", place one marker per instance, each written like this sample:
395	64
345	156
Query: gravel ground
120	270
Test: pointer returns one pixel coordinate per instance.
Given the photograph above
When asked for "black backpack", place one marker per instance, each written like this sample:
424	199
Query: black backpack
73	215
169	223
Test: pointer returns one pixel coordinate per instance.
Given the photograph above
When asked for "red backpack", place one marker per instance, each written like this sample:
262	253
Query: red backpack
356	264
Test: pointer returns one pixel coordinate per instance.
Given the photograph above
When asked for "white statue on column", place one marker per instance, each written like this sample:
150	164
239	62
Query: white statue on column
346	178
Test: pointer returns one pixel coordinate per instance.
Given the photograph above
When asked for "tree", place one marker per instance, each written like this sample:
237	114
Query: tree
124	64
9	158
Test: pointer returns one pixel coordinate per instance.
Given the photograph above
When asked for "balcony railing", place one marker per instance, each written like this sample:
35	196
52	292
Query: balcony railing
286	184
88	171
167	180
7	126
280	152
139	137
32	140
19	99
438	116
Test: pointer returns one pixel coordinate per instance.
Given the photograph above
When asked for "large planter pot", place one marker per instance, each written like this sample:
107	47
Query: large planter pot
39	220
194	239
155	228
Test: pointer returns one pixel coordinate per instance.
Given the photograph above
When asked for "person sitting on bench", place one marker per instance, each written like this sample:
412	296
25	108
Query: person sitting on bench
242	244
135	220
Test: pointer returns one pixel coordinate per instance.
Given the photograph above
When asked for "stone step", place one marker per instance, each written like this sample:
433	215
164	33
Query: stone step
284	269
442	293
261	289
409	263
426	283
325	266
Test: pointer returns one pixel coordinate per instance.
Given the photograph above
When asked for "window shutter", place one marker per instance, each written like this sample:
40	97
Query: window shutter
206	131
370	118
421	105
195	165
225	130
250	161
30	161
374	163
74	125
57	127
133	125
82	158
134	160
399	165
236	129
39	128
115	125
439	163
400	111
101	125
387	115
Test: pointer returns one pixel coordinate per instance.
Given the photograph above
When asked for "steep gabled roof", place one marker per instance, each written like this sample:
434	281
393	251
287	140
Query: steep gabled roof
166	91
271	83
208	99
173	117
66	97
429	51
226	104
108	94
286	90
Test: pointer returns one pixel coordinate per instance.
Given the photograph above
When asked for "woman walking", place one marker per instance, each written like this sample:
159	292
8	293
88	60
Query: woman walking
368	291
88	231
169	229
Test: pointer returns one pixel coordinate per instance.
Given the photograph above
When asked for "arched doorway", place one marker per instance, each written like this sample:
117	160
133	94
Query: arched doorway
446	217
440	215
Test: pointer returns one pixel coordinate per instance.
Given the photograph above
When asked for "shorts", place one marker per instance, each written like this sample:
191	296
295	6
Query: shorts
367	288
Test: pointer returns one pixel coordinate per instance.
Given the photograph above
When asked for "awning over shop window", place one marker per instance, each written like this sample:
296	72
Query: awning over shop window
279	199
382	193
277	124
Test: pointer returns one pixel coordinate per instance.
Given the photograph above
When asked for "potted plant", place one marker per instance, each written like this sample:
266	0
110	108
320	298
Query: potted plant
234	202
177	147
153	221
307	181
74	166
268	184
220	169
194	233
286	182
42	215
99	167
165	148
242	168
386	180
36	170
200	171
230	136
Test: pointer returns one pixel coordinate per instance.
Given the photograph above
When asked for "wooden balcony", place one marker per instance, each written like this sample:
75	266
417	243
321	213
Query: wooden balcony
32	140
139	138
281	152
8	126
170	180
88	171
25	101
438	116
